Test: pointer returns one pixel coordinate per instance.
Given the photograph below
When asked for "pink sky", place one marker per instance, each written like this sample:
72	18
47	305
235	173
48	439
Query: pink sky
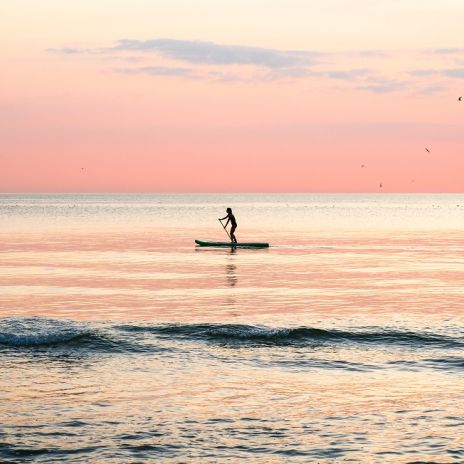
228	96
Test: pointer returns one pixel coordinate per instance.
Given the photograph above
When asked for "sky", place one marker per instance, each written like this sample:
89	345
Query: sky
231	96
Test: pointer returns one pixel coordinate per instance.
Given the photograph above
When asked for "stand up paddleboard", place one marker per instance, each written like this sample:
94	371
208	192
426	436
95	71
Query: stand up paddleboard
233	245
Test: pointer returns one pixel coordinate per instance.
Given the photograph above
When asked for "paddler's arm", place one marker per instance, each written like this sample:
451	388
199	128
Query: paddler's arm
228	219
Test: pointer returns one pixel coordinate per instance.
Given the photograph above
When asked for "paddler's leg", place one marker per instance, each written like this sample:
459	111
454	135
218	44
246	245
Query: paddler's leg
232	234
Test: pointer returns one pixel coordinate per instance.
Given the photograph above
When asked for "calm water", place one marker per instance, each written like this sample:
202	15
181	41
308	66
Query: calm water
120	342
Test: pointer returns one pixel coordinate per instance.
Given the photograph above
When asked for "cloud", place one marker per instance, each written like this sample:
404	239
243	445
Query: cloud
227	77
382	85
199	59
296	72
348	74
291	73
451	72
201	52
431	89
70	50
158	71
456	72
446	51
373	53
422	72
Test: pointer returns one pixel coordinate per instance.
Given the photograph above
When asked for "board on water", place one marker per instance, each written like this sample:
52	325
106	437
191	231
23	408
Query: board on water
233	245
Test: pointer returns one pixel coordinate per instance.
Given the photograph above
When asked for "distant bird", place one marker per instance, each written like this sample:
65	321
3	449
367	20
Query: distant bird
362	165
380	185
427	150
460	99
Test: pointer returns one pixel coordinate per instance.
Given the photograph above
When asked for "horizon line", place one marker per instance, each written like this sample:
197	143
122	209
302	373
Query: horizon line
228	193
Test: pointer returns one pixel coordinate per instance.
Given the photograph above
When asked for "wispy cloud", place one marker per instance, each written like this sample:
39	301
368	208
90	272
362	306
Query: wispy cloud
242	63
279	64
382	85
202	52
446	51
450	72
422	72
348	74
158	71
456	72
431	89
70	50
274	63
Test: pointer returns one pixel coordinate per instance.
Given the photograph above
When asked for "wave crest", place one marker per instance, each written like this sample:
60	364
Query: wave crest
36	331
249	334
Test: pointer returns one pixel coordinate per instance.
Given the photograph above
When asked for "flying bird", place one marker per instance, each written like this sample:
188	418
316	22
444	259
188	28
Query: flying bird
427	150
362	165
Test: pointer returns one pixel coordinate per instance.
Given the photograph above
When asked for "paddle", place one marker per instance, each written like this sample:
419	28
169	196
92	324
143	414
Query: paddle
225	229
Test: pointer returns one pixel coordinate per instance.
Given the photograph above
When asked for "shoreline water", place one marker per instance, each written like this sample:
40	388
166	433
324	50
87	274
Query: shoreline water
120	342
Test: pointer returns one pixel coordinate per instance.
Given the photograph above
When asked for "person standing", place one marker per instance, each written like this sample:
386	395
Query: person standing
233	224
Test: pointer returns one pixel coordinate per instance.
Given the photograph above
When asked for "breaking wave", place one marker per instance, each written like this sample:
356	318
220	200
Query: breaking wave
40	332
248	334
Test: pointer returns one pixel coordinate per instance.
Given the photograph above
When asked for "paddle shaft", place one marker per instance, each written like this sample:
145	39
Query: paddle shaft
225	229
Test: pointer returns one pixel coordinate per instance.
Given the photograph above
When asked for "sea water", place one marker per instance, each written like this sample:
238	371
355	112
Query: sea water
122	342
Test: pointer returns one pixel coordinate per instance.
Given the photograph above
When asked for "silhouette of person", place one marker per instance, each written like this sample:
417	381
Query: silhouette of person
233	224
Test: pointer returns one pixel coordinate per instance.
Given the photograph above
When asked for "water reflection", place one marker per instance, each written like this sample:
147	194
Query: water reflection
231	277
231	274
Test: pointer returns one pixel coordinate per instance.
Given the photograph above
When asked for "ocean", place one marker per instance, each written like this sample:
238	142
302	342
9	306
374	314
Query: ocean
123	342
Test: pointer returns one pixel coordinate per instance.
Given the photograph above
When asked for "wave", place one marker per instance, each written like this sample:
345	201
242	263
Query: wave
289	348
247	334
35	331
40	332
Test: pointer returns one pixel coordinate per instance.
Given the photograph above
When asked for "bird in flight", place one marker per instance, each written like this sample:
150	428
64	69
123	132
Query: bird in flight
362	165
427	150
